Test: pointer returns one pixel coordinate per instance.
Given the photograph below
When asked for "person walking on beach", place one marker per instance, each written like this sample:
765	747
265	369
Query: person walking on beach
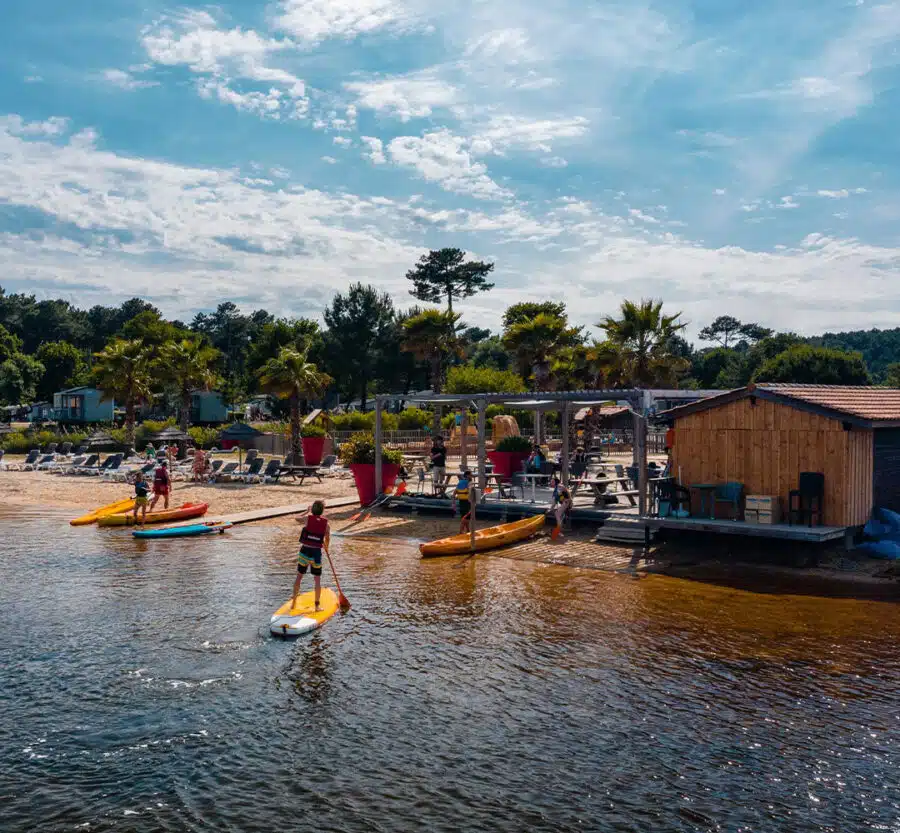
141	490
438	463
314	535
161	484
463	501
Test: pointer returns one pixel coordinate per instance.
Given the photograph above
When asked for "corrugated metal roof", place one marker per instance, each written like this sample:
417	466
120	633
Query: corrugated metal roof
865	402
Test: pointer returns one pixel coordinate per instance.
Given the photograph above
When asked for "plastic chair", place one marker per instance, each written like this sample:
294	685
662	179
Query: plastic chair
808	500
730	493
669	497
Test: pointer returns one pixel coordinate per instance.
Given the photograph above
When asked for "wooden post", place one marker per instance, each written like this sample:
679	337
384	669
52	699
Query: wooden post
482	445
564	454
473	502
640	455
464	438
379	484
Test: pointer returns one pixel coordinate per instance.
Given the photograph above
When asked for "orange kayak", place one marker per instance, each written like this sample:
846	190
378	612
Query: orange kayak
485	539
180	513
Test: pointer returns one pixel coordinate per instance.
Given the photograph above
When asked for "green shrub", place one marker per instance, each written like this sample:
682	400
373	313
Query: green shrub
360	448
313	431
495	410
413	419
514	443
21	442
358	421
466	378
204	437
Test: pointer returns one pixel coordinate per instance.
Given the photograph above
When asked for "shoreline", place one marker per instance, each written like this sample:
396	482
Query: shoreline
837	574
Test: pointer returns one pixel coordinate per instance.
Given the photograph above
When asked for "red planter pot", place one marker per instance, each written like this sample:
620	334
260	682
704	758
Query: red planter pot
364	477
313	450
507	462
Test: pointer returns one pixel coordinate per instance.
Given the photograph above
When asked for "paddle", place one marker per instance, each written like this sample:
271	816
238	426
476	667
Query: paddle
343	601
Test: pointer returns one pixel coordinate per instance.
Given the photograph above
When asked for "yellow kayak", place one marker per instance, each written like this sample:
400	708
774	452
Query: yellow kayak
303	617
485	539
177	513
109	509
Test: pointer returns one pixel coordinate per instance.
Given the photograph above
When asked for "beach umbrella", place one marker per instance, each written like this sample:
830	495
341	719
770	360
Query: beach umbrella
101	441
240	434
173	434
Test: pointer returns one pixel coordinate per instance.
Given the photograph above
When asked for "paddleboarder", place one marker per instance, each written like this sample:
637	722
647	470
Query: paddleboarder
314	535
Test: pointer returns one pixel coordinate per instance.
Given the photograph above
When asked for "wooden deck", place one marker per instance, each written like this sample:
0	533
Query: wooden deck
786	532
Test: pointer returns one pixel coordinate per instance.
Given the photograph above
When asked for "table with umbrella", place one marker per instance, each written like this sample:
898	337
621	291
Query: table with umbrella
172	435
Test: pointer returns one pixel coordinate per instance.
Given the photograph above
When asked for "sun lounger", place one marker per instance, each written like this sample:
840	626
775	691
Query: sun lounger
89	464
252	474
42	461
65	466
226	472
272	471
111	463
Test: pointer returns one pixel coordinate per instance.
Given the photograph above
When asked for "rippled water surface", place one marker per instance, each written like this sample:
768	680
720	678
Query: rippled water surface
140	691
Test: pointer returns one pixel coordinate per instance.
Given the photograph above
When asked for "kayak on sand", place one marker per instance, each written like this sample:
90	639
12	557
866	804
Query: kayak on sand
180	513
109	509
485	539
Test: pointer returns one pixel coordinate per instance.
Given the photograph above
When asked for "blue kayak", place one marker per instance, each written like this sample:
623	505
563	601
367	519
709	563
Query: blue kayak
183	531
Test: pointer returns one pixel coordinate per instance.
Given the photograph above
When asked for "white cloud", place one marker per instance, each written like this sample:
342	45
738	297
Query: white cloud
510	46
125	80
233	64
503	133
375	153
406	97
444	158
342	141
329	160
17	126
316	20
788	202
554	162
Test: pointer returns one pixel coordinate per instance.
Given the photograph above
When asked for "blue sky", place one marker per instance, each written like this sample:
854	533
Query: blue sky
723	156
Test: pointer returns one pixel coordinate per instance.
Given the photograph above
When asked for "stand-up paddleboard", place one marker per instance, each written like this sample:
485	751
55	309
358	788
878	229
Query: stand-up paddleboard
303	617
110	509
188	530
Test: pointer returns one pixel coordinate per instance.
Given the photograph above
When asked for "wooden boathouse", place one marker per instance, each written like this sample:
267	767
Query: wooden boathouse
765	435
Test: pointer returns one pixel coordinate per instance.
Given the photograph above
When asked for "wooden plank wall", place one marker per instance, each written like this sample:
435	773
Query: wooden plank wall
765	446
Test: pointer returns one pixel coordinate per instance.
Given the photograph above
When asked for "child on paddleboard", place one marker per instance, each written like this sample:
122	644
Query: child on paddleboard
562	505
141	490
314	535
461	496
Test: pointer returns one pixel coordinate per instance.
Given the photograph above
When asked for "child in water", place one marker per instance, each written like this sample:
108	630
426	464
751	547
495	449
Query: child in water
461	496
141	490
313	537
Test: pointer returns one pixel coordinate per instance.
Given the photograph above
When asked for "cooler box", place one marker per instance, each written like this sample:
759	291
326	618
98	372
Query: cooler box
762	509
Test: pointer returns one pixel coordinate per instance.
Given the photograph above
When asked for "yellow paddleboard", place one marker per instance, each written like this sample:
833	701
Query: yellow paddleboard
303	617
109	509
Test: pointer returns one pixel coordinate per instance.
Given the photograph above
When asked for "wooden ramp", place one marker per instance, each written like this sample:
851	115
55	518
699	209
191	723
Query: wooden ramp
280	511
573	553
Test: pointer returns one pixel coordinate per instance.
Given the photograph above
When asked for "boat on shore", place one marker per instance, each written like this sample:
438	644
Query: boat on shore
186	531
179	513
110	509
489	538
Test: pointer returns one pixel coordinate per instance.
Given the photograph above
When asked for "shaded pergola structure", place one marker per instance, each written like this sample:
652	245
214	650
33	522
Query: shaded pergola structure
640	403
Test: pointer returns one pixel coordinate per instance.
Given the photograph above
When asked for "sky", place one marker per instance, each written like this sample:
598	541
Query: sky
724	156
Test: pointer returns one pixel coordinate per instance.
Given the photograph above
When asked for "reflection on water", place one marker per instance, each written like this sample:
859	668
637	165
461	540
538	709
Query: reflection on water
141	692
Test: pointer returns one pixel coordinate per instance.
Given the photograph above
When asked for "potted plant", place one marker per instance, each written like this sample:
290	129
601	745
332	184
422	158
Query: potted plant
313	438
509	455
358	454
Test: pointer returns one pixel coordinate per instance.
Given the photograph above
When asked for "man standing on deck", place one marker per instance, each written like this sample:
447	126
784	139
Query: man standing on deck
438	463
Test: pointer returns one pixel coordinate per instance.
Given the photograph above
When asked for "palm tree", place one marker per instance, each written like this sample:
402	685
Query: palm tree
188	365
537	341
641	344
290	376
123	372
433	336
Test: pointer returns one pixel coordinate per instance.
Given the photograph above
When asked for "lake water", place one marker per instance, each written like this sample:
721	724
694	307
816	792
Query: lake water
140	691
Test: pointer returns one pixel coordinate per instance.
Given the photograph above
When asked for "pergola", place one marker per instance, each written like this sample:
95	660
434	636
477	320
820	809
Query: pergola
639	402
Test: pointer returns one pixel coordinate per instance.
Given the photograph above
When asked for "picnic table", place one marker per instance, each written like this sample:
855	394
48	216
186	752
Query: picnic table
301	472
600	485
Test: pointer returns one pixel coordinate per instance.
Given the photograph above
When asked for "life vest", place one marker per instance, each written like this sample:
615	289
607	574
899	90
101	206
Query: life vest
313	534
161	476
462	490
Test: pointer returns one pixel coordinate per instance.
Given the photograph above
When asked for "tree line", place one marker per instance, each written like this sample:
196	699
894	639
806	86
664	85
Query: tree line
366	343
